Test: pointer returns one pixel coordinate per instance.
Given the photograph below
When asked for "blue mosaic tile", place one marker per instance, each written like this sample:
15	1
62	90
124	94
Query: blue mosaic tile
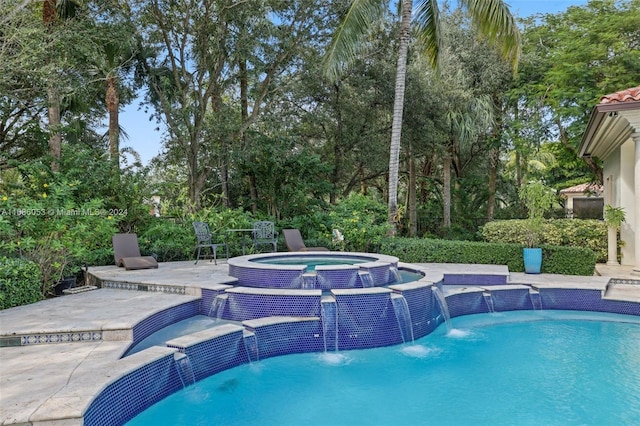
422	309
511	299
257	277
242	307
474	279
207	299
466	303
162	319
337	278
363	321
133	393
585	300
366	322
379	273
218	354
289	337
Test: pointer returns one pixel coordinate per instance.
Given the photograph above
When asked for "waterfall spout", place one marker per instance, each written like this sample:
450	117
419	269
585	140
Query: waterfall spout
251	346
366	279
536	300
185	369
403	315
442	304
217	306
394	275
329	312
489	301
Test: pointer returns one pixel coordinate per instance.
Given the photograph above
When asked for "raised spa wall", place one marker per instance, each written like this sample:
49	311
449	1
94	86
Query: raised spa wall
272	322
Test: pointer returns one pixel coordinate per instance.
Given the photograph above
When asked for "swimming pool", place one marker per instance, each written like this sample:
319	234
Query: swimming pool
273	322
525	368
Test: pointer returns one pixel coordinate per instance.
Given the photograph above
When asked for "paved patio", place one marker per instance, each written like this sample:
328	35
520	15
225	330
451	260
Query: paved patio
41	381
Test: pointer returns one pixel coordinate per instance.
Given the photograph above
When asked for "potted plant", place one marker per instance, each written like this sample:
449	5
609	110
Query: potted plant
538	199
613	217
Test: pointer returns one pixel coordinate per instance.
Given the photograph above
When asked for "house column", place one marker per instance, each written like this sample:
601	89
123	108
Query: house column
636	203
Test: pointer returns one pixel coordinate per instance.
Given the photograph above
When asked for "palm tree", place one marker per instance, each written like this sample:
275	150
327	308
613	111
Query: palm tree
52	12
491	17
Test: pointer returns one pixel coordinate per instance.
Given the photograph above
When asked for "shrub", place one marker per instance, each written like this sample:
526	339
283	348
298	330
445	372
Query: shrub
363	222
588	233
19	282
42	220
556	260
168	240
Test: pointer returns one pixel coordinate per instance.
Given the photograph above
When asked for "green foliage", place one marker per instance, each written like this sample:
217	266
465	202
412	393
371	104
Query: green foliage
362	221
42	220
556	260
20	282
590	234
538	200
168	240
614	216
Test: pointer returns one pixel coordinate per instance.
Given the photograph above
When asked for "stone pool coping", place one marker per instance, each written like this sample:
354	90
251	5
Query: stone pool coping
55	383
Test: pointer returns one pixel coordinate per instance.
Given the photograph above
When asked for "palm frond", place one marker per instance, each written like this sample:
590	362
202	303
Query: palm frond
427	21
495	22
347	40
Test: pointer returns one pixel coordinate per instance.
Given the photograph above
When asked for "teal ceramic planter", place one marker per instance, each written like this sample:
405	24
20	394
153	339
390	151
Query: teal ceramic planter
532	260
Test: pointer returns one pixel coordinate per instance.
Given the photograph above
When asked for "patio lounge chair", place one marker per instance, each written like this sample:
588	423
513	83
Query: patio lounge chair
294	242
127	253
264	233
203	241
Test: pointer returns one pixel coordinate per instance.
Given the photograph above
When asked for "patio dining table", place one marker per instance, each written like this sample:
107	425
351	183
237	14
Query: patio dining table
243	232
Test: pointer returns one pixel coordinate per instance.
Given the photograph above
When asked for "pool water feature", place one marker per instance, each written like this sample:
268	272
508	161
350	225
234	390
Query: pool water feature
289	321
311	261
180	328
563	367
320	270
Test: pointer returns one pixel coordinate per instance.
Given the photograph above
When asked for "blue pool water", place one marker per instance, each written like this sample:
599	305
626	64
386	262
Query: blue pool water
180	328
522	368
313	261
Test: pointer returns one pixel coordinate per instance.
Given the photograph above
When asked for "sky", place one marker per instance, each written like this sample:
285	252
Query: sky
147	141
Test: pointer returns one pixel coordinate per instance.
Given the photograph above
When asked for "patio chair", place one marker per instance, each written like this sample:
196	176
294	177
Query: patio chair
126	253
204	241
294	242
264	233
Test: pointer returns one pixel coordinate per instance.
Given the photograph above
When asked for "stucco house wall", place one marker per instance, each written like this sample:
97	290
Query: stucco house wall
613	136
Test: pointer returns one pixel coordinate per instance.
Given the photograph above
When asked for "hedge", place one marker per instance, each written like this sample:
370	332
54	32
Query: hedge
591	234
555	259
20	282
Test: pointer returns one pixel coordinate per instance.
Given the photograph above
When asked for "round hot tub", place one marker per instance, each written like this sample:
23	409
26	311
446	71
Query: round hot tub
314	270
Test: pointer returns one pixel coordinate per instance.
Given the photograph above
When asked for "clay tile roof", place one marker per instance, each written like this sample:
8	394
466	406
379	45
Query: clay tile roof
627	95
583	188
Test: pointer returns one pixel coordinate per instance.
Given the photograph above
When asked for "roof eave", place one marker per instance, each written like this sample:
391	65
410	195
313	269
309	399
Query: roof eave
601	113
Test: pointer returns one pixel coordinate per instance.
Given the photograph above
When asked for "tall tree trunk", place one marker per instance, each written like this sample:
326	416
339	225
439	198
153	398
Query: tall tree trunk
113	102
413	214
49	18
398	106
446	191
337	152
518	170
55	137
595	168
493	175
494	155
244	115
